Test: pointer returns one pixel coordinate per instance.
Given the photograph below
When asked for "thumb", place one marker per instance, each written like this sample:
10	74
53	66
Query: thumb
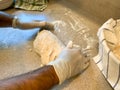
70	45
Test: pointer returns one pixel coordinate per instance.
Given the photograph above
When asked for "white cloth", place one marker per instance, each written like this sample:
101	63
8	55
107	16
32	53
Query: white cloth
106	60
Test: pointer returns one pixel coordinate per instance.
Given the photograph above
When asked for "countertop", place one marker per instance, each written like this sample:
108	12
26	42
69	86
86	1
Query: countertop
19	57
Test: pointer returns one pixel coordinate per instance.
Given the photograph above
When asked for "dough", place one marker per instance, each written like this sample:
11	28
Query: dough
110	37
116	51
48	46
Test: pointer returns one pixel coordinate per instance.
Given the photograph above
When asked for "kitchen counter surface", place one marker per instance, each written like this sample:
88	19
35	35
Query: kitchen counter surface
17	54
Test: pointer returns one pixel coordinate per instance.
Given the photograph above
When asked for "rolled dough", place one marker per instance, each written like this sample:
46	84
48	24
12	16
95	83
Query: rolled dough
48	46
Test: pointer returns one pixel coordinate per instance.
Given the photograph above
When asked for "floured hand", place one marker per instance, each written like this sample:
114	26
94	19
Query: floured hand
69	63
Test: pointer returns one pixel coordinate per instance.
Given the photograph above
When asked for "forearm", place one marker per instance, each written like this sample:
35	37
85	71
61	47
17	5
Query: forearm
6	19
33	24
41	79
30	25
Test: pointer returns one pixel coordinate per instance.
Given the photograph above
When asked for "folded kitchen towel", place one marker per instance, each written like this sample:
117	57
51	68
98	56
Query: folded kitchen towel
108	63
39	5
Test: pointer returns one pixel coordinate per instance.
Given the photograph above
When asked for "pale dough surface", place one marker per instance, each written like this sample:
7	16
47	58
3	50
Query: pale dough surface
112	36
48	46
116	51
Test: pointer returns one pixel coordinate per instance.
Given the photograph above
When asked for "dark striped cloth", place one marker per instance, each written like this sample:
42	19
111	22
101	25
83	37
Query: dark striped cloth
106	60
38	5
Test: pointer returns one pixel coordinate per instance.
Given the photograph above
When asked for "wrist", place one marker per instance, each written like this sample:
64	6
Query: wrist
53	74
14	22
61	69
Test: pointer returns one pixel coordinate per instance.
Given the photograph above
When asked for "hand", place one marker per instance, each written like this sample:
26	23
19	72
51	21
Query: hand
69	63
47	26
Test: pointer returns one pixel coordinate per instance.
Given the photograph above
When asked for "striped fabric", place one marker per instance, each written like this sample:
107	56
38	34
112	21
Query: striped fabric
39	5
106	60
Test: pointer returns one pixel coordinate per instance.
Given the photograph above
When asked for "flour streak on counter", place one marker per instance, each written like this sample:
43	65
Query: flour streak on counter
57	24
